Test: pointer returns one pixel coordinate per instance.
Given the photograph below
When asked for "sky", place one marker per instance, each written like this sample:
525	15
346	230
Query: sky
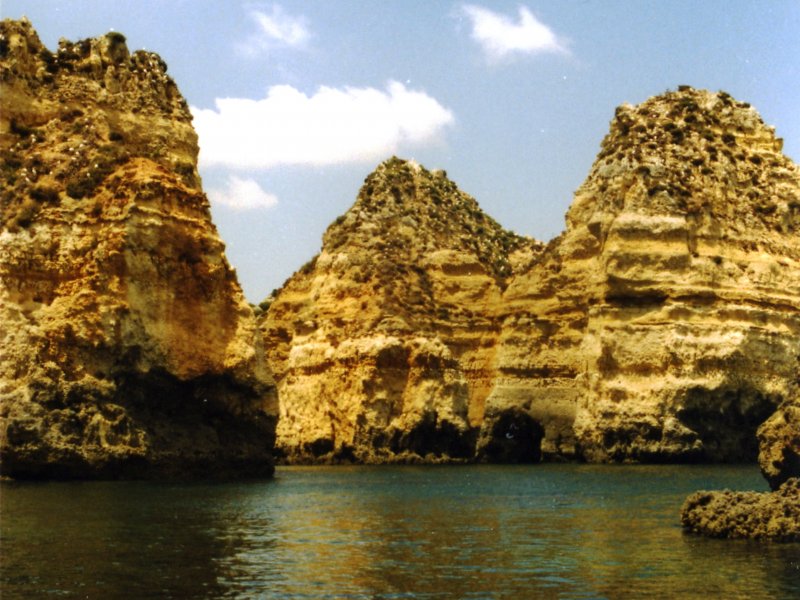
296	102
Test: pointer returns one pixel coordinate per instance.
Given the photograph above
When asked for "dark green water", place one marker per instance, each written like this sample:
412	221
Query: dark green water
548	531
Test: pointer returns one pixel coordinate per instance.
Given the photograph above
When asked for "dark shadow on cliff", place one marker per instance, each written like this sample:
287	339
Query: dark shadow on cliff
726	421
515	437
152	426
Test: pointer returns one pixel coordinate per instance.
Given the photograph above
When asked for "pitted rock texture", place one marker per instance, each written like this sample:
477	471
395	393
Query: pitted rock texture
767	516
664	323
126	346
383	344
779	444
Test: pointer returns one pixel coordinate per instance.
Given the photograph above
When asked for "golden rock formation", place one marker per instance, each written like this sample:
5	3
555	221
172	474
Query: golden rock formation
126	346
383	345
662	325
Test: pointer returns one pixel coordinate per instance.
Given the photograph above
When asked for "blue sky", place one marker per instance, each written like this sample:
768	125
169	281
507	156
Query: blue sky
296	102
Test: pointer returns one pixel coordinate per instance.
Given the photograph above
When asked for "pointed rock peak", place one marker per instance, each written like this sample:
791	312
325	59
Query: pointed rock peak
691	154
403	211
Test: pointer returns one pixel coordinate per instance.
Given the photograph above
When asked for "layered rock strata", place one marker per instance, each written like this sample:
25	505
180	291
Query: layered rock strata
383	344
664	323
126	346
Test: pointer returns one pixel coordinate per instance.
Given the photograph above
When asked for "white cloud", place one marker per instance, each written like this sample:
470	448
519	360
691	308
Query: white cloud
332	126
500	37
242	194
275	29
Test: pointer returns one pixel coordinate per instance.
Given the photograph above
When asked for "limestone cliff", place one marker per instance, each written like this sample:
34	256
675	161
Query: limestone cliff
383	344
126	346
664	323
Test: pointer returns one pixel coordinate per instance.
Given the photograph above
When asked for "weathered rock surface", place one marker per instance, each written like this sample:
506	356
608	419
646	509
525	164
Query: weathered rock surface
126	346
774	515
383	344
664	324
779	444
725	514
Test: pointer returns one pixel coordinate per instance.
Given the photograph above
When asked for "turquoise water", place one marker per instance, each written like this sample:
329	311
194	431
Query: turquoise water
546	531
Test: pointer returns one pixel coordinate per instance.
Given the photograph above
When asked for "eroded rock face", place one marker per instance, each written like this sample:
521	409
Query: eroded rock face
779	444
383	345
664	324
127	347
774	516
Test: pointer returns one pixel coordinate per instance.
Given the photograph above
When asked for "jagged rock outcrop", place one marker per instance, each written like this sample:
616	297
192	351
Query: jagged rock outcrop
664	323
779	444
126	346
774	516
383	344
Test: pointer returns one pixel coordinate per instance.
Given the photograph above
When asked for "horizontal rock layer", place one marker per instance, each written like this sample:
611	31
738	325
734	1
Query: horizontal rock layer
662	325
127	347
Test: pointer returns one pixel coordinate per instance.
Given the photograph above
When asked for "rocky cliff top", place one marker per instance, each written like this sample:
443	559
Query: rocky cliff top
405	221
404	211
694	154
73	116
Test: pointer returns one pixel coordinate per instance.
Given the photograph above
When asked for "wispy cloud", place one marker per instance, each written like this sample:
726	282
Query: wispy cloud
275	29
242	194
500	37
332	126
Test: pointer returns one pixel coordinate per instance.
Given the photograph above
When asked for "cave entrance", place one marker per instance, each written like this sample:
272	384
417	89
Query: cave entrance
515	438
727	420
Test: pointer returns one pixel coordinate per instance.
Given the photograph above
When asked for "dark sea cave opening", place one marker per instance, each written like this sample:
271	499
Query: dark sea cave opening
515	438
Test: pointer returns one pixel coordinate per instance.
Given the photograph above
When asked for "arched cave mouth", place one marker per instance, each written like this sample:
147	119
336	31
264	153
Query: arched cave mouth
515	438
726	421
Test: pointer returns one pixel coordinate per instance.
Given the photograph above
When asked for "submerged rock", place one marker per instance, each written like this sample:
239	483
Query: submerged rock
726	514
128	349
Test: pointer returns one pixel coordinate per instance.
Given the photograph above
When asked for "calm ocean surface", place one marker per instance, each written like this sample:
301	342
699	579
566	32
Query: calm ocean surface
545	531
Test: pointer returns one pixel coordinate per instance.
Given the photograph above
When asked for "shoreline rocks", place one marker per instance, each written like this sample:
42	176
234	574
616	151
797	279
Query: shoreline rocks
771	516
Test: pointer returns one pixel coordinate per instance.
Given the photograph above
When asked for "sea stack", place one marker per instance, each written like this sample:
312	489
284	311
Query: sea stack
667	316
383	344
663	325
127	348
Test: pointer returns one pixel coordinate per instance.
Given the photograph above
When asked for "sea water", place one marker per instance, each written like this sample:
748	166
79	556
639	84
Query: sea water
543	531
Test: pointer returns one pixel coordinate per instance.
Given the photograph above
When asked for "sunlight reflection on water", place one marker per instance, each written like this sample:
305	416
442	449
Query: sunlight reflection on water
548	531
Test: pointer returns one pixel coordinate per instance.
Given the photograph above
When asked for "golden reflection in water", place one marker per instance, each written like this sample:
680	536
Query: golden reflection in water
565	531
